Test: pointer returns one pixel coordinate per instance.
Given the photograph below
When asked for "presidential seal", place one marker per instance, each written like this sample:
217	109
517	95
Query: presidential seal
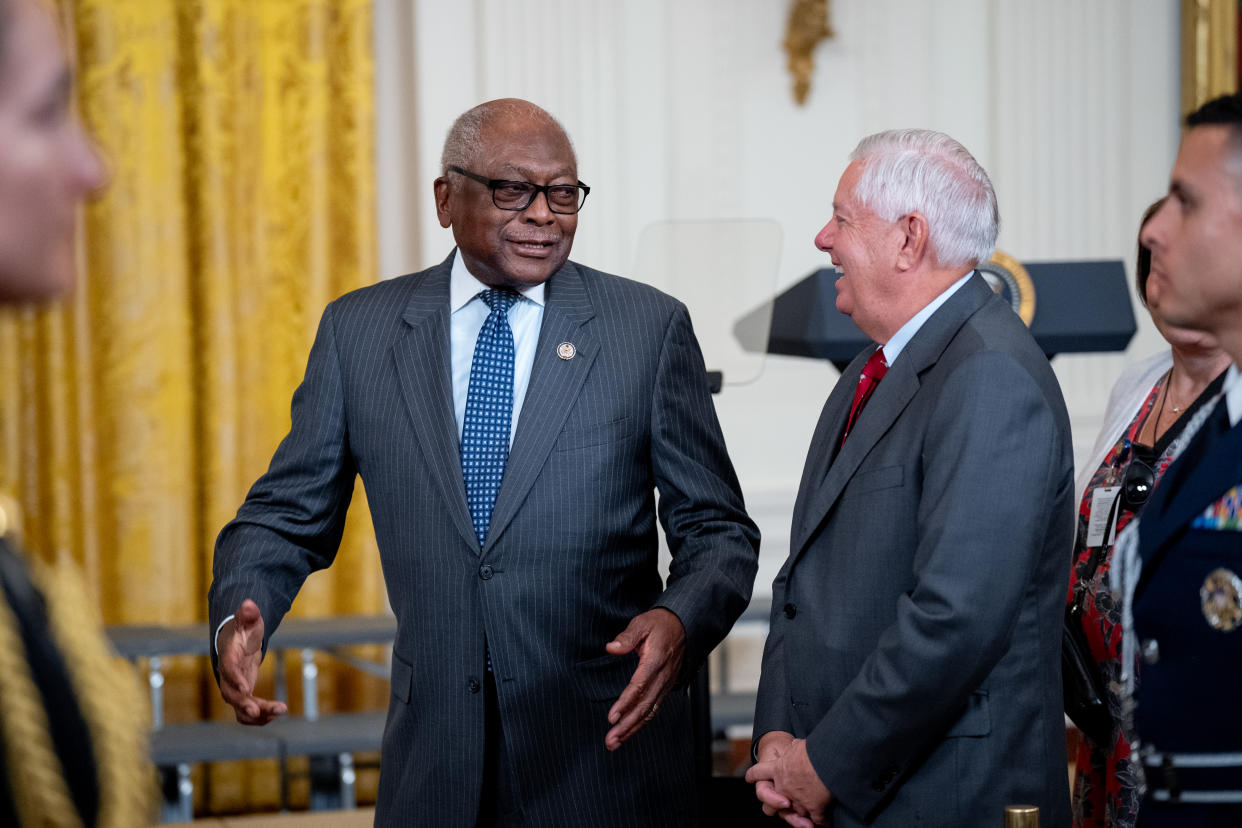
566	350
1221	598
1009	279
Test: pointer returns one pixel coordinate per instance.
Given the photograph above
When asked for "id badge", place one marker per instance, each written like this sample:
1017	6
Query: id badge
1099	527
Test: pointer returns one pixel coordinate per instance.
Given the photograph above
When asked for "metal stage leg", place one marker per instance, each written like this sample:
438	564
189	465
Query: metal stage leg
332	782
178	794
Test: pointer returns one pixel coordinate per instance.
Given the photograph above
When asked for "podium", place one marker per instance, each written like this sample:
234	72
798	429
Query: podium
1079	307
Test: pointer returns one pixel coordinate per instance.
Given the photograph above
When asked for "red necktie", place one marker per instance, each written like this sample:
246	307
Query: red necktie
872	373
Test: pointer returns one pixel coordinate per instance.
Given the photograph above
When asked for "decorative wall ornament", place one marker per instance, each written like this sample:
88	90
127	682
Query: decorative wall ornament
1209	51
808	25
1011	281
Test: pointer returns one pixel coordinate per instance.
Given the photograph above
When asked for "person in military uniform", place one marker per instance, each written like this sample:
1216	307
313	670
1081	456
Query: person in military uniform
1186	609
71	751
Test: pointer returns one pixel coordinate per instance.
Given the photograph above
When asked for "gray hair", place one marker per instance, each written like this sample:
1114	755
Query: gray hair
917	169
465	137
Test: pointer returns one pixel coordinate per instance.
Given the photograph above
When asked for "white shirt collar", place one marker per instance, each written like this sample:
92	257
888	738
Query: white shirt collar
1233	394
899	340
463	286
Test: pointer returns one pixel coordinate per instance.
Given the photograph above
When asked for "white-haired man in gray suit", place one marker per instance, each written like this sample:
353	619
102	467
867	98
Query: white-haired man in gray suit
912	672
512	415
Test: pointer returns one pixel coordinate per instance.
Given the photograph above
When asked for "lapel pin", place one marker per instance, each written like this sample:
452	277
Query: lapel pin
566	350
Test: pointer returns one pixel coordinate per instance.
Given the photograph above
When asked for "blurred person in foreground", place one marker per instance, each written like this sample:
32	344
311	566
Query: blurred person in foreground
912	672
1144	431
512	415
72	750
1178	570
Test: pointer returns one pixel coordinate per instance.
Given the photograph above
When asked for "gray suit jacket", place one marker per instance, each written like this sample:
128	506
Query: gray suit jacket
916	626
570	558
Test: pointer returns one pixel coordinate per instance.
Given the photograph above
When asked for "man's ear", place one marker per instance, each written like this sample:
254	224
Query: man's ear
914	243
442	190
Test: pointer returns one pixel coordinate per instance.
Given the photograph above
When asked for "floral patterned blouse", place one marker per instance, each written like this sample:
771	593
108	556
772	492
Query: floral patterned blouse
1106	784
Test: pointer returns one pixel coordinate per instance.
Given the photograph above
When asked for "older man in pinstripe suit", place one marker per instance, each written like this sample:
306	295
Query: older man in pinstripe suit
535	635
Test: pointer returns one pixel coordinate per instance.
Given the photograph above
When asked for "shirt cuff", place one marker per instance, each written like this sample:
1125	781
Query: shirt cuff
215	639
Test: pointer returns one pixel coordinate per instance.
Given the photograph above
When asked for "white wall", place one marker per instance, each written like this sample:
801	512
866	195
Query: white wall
682	109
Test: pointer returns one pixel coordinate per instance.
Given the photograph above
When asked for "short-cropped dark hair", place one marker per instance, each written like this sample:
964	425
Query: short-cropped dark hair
1225	110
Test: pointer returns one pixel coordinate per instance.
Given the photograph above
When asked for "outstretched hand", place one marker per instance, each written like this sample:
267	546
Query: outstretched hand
239	652
660	641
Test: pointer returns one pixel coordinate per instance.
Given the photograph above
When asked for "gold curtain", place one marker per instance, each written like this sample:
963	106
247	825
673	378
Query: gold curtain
239	135
1209	51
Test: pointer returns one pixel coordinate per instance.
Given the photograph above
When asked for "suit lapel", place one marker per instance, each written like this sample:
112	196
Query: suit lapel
890	398
818	495
423	369
554	386
1208	468
824	443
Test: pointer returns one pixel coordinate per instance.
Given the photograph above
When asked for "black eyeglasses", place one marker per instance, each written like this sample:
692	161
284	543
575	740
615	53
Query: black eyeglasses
518	195
1137	485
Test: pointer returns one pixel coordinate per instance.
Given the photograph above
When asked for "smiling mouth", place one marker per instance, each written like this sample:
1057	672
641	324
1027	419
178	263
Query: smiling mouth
532	247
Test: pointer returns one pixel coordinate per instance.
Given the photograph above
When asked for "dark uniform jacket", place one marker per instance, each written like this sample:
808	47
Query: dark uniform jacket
1188	622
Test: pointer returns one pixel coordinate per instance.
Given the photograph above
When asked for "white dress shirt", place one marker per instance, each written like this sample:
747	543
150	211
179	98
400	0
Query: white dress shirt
906	332
1232	390
468	313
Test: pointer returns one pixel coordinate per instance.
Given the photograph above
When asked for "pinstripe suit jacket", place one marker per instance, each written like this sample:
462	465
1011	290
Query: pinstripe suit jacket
570	558
916	625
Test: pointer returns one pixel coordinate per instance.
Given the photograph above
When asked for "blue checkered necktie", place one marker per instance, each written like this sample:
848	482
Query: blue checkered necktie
489	411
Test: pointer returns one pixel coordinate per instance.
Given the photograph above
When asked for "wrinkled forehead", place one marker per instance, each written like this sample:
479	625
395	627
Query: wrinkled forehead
846	195
526	144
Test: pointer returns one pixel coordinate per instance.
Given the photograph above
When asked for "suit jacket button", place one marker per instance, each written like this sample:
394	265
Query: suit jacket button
473	684
790	610
485	572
